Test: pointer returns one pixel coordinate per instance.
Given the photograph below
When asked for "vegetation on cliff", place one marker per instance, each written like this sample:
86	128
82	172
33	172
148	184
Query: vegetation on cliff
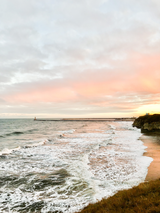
144	198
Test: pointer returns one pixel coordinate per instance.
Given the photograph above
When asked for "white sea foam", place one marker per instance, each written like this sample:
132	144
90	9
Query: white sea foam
6	151
37	143
70	131
112	126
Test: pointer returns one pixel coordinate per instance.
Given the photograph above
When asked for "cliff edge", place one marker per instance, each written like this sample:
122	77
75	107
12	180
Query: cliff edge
148	123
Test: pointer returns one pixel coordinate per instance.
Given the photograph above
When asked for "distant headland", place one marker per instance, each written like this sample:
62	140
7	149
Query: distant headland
148	123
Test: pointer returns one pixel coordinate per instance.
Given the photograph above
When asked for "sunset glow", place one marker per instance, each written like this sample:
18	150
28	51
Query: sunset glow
97	58
151	108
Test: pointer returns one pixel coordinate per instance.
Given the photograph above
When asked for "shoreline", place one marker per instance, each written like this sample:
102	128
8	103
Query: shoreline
142	198
152	142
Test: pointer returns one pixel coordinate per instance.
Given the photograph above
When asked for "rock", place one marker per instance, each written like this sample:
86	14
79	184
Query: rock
148	123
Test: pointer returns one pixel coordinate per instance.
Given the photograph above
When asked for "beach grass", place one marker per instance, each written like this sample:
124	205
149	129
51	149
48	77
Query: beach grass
144	198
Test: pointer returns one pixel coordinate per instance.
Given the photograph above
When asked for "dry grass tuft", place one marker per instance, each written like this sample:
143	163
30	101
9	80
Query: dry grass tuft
144	198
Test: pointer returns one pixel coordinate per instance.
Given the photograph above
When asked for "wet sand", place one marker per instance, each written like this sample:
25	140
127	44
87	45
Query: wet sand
152	142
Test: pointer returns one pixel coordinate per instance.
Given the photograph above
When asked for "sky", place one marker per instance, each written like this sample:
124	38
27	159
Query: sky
79	58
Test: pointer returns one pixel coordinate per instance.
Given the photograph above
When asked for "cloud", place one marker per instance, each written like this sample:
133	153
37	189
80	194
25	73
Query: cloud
82	56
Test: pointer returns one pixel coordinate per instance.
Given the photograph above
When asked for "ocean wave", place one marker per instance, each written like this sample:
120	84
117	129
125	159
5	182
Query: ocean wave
18	133
14	133
71	131
35	144
65	173
7	151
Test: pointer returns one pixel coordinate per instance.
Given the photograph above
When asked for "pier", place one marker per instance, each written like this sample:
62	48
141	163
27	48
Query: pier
88	119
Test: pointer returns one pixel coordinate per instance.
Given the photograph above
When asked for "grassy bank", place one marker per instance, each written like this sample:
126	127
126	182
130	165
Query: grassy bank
144	198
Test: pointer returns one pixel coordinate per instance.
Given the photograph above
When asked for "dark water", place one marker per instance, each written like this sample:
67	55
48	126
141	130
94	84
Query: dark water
62	166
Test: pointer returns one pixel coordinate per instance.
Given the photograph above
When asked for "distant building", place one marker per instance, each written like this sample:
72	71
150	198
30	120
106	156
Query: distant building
147	113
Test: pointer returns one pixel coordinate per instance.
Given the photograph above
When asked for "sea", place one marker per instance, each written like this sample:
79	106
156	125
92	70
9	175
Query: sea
62	166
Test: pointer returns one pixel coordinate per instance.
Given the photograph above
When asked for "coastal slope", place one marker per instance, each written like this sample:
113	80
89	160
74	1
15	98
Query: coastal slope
144	198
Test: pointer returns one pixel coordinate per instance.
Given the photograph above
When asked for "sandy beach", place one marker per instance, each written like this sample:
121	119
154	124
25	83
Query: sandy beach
152	142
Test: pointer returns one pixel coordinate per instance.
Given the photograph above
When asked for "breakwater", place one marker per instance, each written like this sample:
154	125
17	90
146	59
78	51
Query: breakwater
88	119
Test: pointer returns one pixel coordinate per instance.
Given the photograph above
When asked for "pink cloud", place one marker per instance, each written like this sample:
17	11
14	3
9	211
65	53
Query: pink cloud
131	83
45	94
